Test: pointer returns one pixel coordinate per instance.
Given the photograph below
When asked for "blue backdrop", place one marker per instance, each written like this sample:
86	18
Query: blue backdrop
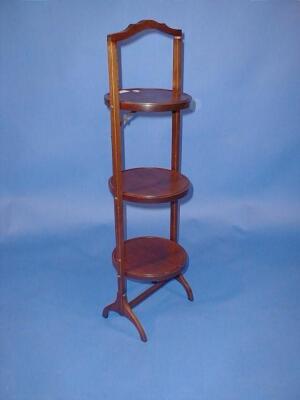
240	338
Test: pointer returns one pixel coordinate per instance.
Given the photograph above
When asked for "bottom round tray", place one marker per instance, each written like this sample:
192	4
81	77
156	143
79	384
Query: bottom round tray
150	258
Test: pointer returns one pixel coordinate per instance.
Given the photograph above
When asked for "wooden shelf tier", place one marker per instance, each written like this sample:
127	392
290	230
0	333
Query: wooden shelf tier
152	258
149	100
152	185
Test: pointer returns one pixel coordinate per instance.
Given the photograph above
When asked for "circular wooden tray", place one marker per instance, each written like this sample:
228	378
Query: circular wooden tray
138	99
150	258
152	185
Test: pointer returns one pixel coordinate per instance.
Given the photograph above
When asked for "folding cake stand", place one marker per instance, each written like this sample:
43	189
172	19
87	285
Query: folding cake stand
155	260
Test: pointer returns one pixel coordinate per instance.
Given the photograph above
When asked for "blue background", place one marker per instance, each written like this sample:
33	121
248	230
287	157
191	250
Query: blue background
240	338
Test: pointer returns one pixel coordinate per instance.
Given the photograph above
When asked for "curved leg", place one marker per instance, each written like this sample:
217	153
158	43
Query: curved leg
133	318
111	307
181	279
123	308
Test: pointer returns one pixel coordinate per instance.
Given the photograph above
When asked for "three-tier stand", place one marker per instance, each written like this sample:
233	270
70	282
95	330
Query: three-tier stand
155	260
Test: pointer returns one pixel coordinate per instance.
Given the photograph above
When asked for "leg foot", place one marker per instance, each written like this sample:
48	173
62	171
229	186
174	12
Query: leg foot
111	307
181	279
122	307
133	318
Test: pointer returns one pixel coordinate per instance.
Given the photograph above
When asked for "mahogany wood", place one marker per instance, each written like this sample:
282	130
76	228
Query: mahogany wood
150	258
126	309
122	307
176	131
144	295
181	279
116	140
150	100
140	26
152	185
146	258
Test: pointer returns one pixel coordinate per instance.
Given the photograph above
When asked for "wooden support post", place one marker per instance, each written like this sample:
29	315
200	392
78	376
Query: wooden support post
116	140
176	130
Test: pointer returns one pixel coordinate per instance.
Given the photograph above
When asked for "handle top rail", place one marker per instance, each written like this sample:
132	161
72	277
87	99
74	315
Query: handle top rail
140	26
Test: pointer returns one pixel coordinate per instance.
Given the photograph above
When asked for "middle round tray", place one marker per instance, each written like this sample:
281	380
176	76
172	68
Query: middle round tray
152	185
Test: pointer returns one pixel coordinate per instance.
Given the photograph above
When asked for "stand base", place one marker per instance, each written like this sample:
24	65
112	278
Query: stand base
123	307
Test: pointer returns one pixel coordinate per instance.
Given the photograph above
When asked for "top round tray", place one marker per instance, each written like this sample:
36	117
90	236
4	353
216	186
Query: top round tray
151	100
